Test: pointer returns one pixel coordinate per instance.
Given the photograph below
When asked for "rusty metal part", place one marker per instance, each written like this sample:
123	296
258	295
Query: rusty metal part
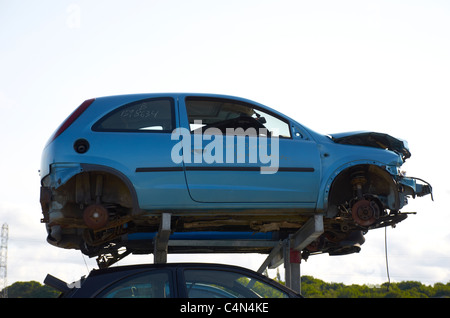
269	227
314	246
358	180
95	216
365	212
45	200
114	229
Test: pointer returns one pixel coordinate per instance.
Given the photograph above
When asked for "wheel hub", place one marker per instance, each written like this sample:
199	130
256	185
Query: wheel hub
95	216
365	212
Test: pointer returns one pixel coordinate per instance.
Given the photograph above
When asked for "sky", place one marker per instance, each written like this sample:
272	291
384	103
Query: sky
334	66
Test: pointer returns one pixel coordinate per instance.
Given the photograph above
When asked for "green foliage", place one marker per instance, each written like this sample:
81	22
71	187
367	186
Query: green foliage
316	288
31	289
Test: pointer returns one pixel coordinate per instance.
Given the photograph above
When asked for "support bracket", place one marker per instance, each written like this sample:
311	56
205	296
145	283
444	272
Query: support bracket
309	232
272	258
161	241
287	251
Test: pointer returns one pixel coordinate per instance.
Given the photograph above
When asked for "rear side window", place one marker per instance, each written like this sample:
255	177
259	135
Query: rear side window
149	115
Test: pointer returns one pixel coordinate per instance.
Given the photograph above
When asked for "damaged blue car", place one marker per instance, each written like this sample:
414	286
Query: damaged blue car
221	166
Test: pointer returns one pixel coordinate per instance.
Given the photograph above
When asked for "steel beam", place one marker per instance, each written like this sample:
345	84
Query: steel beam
286	251
308	233
274	254
161	240
222	243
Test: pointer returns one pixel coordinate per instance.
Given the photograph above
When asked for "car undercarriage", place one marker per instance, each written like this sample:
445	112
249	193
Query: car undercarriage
94	211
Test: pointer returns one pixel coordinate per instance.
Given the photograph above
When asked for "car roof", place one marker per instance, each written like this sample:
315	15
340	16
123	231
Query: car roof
115	269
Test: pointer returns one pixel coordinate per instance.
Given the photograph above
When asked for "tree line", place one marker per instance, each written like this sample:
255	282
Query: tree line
310	288
315	288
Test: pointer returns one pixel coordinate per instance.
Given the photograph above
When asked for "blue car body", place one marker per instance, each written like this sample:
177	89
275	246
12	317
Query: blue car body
104	177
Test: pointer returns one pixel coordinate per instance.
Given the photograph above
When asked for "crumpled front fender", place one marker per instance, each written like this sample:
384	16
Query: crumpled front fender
384	181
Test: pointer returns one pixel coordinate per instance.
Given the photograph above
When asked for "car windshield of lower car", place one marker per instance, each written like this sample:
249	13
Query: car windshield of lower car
154	284
228	117
226	284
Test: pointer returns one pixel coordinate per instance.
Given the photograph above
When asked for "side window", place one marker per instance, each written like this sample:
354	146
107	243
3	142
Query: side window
229	117
226	284
151	115
154	284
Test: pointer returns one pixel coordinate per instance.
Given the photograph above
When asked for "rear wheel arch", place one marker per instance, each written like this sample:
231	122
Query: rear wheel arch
121	182
94	198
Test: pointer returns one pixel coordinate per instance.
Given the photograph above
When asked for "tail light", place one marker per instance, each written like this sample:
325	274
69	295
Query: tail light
76	113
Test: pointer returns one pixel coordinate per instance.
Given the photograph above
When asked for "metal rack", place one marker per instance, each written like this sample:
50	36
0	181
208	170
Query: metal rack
285	251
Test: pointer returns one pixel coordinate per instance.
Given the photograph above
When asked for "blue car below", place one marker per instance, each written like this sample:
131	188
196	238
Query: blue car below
177	280
221	166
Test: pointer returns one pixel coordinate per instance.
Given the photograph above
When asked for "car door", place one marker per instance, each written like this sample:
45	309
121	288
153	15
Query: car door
239	152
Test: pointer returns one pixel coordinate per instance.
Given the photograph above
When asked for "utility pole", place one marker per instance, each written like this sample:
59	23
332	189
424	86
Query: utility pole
4	261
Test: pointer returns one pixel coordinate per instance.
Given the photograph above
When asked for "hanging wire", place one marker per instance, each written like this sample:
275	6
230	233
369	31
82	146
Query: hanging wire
386	256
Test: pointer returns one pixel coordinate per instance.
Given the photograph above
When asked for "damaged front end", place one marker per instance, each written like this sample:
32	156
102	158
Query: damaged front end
375	140
363	198
366	194
412	186
404	186
387	142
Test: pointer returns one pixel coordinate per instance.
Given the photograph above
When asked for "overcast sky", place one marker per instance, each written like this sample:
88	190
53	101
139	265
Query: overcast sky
332	65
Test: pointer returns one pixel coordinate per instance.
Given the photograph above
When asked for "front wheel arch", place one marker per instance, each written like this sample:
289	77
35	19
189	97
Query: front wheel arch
379	182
